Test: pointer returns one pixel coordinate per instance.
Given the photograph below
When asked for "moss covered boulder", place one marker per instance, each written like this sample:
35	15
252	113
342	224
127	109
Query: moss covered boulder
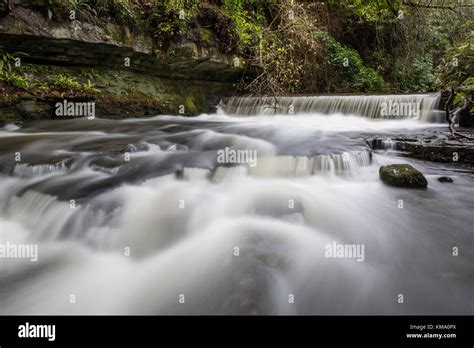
402	175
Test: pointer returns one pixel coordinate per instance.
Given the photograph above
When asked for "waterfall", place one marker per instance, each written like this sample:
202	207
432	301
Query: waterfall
27	171
415	106
235	213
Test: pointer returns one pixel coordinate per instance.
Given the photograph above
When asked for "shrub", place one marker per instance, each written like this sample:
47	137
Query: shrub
287	55
349	68
16	80
164	24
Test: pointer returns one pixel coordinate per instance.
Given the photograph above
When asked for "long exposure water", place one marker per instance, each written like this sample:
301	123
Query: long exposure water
139	216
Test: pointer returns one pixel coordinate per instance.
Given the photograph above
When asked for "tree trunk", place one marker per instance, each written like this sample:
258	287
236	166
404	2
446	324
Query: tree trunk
449	119
464	115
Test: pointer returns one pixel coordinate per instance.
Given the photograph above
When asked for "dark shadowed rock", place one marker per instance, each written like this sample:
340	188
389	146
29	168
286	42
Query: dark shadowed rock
445	179
402	175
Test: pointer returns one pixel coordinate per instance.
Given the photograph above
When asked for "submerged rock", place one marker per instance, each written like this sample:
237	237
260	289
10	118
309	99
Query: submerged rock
444	179
402	175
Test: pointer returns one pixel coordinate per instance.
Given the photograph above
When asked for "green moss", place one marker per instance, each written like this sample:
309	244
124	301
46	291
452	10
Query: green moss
9	109
8	100
123	93
191	108
206	36
402	175
128	104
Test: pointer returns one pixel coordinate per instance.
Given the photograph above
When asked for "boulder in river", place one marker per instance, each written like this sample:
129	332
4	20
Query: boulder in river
445	179
402	175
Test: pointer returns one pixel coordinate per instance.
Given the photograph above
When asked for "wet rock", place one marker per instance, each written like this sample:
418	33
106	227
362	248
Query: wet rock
438	146
272	260
246	297
382	144
402	175
445	179
119	145
444	153
410	140
465	117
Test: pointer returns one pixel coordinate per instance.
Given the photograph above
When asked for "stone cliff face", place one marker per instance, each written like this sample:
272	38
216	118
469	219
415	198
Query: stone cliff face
134	78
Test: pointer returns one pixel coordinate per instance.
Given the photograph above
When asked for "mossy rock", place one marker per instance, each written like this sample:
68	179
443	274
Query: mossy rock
402	175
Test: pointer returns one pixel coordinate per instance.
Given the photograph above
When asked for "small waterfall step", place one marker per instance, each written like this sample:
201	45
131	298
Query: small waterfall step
403	106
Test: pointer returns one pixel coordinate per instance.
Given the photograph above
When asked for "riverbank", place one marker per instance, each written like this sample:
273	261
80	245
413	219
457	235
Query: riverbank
117	94
119	67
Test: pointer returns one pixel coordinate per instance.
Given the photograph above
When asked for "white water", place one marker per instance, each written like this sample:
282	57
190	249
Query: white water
182	214
371	106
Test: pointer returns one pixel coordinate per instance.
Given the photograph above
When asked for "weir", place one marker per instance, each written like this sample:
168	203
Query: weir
415	106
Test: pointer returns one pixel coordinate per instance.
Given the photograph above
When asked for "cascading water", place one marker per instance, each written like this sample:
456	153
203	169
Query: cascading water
142	216
419	106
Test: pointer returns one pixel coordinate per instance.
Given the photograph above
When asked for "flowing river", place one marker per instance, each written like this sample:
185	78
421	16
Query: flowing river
141	216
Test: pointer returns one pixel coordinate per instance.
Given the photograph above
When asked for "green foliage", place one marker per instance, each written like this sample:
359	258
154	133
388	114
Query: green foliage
90	74
212	18
468	85
165	24
78	4
457	69
68	84
180	4
349	67
423	74
64	82
6	61
89	88
403	43
458	64
16	80
287	55
374	11
246	25
418	76
167	19
466	90
123	10
237	23
282	69
330	46
61	9
117	11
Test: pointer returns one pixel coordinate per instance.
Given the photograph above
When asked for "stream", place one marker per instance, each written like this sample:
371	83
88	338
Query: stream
142	216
